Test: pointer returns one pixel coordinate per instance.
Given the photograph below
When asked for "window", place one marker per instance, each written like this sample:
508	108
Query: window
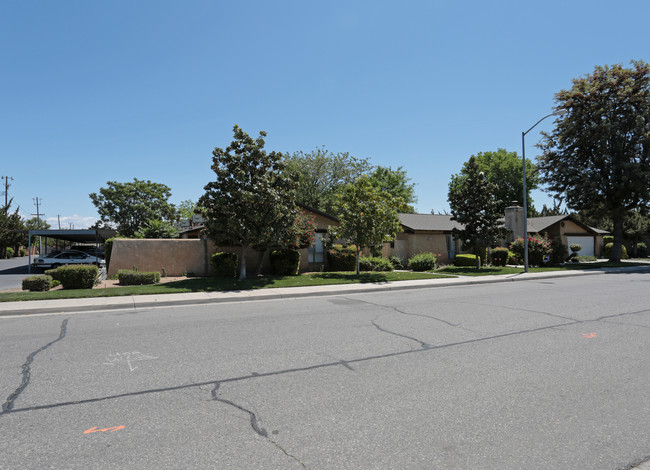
315	252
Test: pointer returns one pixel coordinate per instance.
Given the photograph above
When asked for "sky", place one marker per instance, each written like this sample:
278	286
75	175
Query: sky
97	91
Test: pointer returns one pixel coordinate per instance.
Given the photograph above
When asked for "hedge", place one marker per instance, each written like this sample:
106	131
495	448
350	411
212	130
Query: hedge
224	264
79	276
374	263
499	256
607	251
465	260
341	258
423	262
137	278
39	283
285	262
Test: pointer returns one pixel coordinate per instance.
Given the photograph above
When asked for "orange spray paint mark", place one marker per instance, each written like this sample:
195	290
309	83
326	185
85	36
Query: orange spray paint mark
589	335
114	428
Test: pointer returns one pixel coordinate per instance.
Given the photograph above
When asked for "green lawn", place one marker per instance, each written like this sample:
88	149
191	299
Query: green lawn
205	284
496	270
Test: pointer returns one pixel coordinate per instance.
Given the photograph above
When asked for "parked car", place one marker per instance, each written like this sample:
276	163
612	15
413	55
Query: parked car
91	250
67	257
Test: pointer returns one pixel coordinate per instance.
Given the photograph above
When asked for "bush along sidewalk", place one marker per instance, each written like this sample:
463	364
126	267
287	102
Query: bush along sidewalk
76	277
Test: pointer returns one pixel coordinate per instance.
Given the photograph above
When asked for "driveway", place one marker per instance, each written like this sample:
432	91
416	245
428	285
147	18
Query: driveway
12	272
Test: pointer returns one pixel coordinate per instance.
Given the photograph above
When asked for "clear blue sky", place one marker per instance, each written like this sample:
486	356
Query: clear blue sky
93	91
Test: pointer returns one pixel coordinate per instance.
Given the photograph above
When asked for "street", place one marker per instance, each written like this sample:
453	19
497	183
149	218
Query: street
545	374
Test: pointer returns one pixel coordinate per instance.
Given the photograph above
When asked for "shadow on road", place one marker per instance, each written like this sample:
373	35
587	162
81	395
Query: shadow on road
16	270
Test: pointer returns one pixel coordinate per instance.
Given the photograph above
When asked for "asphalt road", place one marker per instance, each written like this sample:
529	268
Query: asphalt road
12	272
549	374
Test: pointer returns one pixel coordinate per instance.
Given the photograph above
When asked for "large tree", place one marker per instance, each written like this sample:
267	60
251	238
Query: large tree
11	225
128	206
599	152
503	169
368	216
474	205
321	174
251	203
396	183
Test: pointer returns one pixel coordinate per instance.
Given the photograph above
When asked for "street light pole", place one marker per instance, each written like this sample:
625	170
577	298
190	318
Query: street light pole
560	112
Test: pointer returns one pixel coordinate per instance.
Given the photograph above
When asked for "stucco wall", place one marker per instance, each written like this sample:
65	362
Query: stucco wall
179	256
409	244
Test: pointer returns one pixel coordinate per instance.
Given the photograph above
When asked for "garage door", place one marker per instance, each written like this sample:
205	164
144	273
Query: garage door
587	244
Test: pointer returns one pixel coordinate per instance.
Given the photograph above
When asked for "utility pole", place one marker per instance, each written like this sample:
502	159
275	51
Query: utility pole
7	178
38	215
58	217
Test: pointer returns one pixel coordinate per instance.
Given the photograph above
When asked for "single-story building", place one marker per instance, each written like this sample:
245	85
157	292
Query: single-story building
425	233
191	252
565	227
433	233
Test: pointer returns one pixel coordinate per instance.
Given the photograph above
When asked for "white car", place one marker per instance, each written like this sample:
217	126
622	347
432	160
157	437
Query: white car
67	257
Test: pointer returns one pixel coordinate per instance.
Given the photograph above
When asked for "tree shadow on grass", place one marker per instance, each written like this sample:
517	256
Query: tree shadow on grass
211	284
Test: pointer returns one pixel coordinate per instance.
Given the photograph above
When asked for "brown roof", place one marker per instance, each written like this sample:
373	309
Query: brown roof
428	222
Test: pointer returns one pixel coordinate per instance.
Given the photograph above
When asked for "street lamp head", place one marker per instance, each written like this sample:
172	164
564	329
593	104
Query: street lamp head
560	112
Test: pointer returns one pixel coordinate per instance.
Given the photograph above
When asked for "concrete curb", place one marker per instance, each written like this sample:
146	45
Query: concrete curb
201	298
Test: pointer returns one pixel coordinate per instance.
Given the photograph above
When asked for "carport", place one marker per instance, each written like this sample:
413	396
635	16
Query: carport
96	236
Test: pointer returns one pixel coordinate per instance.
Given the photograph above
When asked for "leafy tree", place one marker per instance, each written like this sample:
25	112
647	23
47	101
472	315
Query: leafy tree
368	216
321	174
128	206
599	152
396	183
474	205
11	225
35	224
157	229
252	201
503	170
186	209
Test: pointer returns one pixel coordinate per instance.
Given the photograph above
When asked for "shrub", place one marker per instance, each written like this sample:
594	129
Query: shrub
558	251
539	246
423	262
374	263
10	252
575	247
224	264
37	283
514	259
285	262
341	258
80	276
499	256
607	251
137	278
396	261
608	239
641	250
22	252
465	260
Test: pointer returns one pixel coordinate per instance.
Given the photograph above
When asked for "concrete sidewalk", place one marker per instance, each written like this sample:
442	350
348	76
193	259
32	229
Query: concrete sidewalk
195	298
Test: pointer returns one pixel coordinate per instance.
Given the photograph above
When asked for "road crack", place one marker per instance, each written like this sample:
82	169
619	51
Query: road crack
27	371
337	363
254	423
402	312
422	343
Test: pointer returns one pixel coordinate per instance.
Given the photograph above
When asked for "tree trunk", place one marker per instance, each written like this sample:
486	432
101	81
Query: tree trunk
358	254
615	254
260	260
242	269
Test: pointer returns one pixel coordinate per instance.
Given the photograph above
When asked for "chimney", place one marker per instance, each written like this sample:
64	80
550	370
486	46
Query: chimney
515	220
